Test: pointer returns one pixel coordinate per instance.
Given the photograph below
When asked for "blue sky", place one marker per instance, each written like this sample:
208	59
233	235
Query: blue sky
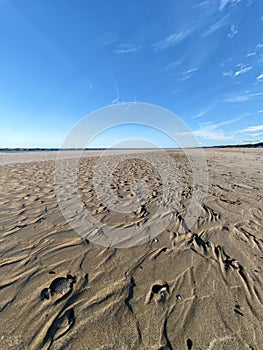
61	60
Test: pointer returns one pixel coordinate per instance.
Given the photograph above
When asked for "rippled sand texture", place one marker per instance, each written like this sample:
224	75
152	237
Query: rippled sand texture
198	288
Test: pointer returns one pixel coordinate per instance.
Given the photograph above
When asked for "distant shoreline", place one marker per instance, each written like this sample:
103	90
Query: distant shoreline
18	149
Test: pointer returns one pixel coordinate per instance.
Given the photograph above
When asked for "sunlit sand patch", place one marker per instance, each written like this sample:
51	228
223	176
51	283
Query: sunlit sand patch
188	288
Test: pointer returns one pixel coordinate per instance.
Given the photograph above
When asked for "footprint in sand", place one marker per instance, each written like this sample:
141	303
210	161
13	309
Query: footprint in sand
189	344
60	285
158	291
61	325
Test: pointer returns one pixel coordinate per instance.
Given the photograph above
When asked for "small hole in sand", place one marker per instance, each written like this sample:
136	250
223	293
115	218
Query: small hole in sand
189	344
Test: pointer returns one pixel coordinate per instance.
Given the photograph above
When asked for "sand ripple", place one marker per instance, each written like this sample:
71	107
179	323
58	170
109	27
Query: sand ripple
191	288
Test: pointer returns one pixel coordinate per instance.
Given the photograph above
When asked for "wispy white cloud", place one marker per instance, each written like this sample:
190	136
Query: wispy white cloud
200	114
257	134
117	98
237	98
226	62
260	77
233	31
260	59
243	70
126	48
217	25
253	131
241	98
228	74
250	54
260	111
187	74
234	120
224	3
253	128
172	39
203	4
214	131
255	51
207	134
170	66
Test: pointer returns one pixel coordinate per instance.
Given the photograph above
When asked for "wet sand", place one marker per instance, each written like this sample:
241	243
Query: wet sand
198	287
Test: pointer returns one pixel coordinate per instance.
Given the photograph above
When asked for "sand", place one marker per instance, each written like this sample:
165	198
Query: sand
31	156
196	287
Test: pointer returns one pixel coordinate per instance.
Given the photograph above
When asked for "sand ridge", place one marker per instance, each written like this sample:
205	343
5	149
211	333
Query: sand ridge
190	288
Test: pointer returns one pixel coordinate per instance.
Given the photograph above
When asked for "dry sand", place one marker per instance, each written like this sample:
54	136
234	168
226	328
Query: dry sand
31	156
198	288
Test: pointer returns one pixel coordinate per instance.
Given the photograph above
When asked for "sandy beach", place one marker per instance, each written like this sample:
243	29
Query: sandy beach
198	287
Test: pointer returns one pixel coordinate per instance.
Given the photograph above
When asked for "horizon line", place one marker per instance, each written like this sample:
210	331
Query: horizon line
17	149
